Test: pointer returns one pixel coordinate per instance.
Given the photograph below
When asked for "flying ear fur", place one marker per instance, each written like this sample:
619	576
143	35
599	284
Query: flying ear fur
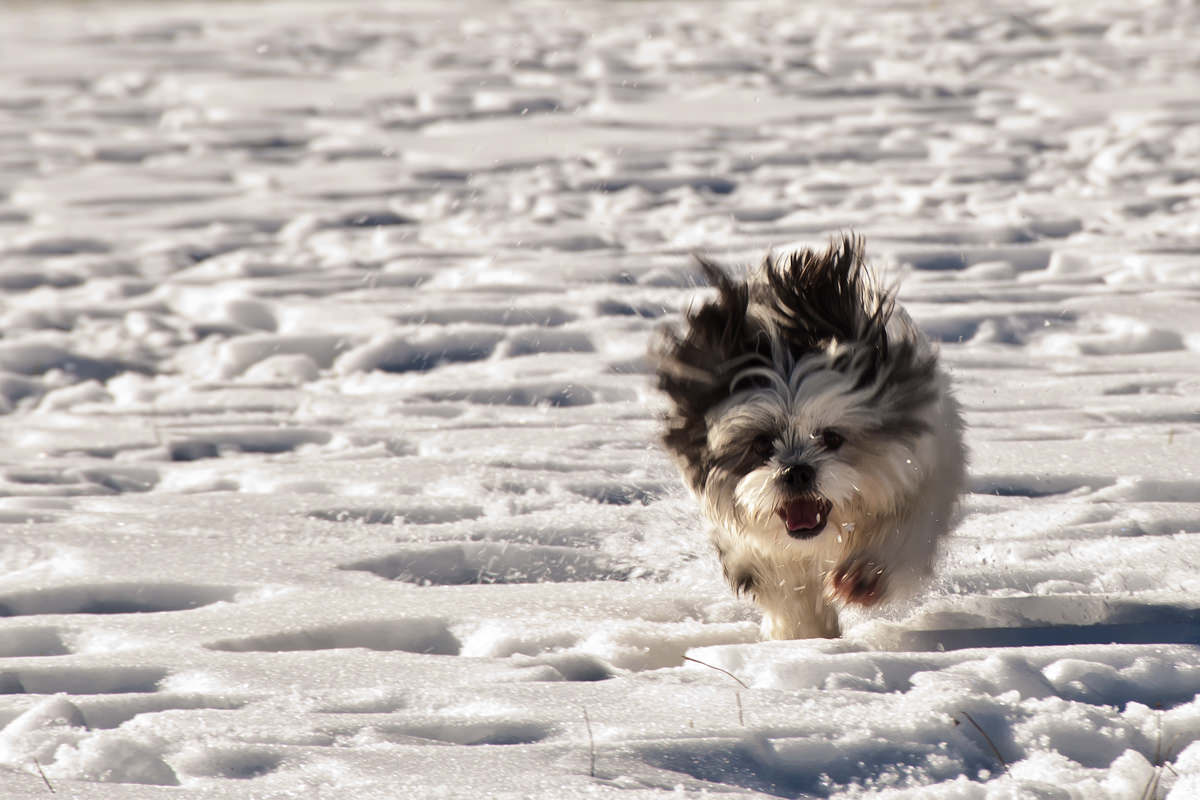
695	367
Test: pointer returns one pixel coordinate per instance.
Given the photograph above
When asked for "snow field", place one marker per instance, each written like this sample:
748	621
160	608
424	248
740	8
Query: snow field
327	463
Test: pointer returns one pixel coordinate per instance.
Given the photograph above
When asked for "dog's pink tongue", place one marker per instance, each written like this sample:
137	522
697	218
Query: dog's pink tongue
802	514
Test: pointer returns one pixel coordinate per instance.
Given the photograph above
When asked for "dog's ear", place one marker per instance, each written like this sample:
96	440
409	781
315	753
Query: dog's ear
696	365
830	296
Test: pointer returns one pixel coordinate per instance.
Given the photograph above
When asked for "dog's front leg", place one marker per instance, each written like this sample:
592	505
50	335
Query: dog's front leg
795	607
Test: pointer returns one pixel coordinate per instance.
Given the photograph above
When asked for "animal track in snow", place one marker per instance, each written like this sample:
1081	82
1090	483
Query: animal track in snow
1140	490
412	515
31	643
1164	675
1059	621
487	562
618	494
537	340
81	680
240	763
115	709
1054	635
573	667
19	517
237	355
1035	486
421	353
554	395
548	316
430	636
549	533
590	652
470	732
95	480
622	308
245	440
112	598
800	767
123	479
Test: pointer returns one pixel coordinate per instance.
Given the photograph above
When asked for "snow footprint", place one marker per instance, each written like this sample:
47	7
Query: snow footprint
467	731
113	598
428	636
32	643
81	680
464	563
410	515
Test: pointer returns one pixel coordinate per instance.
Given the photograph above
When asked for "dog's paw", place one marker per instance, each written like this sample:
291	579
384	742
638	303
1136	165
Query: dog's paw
860	581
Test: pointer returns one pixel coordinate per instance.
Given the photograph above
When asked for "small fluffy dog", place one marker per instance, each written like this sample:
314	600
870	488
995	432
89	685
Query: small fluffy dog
812	421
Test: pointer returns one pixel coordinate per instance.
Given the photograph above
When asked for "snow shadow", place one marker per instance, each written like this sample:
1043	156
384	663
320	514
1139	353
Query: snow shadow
808	767
469	732
242	763
430	636
1034	486
1126	623
114	598
89	680
31	643
271	441
115	709
401	353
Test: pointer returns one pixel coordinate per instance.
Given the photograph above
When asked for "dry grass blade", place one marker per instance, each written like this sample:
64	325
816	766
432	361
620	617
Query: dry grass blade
591	743
45	780
1150	792
737	695
988	739
718	669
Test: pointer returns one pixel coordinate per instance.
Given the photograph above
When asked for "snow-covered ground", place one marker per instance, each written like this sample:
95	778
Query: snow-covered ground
327	467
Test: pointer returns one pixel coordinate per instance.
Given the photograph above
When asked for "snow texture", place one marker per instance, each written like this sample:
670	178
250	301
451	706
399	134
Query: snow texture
328	460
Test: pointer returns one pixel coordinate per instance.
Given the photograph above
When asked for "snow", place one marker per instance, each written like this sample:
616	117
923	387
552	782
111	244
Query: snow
327	455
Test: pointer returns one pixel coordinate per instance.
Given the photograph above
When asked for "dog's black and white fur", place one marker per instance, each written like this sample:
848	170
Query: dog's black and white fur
812	421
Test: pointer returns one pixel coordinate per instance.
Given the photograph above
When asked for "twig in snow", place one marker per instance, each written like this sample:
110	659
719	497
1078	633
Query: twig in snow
1150	792
718	669
591	742
988	739
741	719
45	780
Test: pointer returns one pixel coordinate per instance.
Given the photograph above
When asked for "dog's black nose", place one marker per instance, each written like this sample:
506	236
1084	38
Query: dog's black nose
799	477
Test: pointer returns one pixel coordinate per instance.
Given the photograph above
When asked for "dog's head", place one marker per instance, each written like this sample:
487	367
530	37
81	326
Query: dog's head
798	394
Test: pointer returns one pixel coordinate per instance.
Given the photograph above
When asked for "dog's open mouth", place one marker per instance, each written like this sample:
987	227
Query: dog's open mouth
805	517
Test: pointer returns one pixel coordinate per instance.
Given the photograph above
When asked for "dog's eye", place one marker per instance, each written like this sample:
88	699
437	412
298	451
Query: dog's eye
832	439
763	446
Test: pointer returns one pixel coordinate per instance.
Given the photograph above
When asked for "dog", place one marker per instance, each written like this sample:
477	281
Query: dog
812	420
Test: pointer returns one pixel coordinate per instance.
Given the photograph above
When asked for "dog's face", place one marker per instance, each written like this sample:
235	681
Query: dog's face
804	454
801	399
